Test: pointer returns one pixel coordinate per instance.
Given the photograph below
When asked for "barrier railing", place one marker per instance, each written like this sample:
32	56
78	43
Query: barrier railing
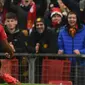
46	54
41	71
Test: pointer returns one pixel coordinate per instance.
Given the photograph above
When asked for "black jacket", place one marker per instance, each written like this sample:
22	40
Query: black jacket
18	39
47	41
41	6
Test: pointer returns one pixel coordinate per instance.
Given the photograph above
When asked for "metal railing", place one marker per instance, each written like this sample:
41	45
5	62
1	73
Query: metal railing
32	58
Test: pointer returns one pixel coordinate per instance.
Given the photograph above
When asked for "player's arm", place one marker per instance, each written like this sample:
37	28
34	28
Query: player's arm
3	40
7	47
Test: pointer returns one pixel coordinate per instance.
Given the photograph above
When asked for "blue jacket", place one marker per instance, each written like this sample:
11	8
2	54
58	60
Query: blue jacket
69	44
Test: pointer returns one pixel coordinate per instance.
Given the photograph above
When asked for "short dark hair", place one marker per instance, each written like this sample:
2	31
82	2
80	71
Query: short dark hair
11	15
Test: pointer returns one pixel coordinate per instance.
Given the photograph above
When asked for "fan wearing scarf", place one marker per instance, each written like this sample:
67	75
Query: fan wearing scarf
71	40
72	31
25	4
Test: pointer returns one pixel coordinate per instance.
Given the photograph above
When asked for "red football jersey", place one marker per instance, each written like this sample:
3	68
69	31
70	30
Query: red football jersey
2	33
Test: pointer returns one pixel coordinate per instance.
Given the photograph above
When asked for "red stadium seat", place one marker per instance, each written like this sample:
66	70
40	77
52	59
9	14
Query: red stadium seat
55	70
61	82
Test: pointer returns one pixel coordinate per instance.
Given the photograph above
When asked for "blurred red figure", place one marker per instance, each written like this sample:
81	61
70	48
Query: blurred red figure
3	40
9	79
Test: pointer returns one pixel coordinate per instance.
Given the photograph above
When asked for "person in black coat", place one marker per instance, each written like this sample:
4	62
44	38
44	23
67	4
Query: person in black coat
42	40
43	37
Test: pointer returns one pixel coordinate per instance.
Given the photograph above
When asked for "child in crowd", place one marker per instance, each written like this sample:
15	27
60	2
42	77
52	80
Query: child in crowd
17	38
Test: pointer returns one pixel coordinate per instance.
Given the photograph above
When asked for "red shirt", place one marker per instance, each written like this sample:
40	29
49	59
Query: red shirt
2	33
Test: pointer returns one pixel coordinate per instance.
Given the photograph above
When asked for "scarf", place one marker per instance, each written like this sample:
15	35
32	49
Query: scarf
73	30
31	14
54	24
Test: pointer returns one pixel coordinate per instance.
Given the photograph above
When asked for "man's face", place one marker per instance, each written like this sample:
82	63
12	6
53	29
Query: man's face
40	27
72	19
11	23
56	18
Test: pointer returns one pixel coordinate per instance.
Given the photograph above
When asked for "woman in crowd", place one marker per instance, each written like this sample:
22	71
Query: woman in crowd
71	40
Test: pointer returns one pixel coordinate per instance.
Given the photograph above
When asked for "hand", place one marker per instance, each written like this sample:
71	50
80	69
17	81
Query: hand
76	52
37	47
12	46
60	51
8	55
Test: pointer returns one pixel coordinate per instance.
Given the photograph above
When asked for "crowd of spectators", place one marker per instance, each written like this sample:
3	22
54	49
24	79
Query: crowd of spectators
44	26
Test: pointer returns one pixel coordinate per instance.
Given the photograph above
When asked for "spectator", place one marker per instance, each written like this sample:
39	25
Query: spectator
61	5
56	19
48	13
42	40
41	6
16	37
26	13
75	26
43	37
72	38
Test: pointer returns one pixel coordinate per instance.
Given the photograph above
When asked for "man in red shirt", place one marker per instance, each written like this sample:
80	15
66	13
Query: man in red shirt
3	40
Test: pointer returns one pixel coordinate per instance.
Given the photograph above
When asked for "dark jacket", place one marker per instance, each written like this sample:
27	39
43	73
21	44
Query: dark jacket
47	41
41	6
18	39
73	5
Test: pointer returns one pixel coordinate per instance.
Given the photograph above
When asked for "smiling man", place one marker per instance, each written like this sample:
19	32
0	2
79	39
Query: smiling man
41	40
